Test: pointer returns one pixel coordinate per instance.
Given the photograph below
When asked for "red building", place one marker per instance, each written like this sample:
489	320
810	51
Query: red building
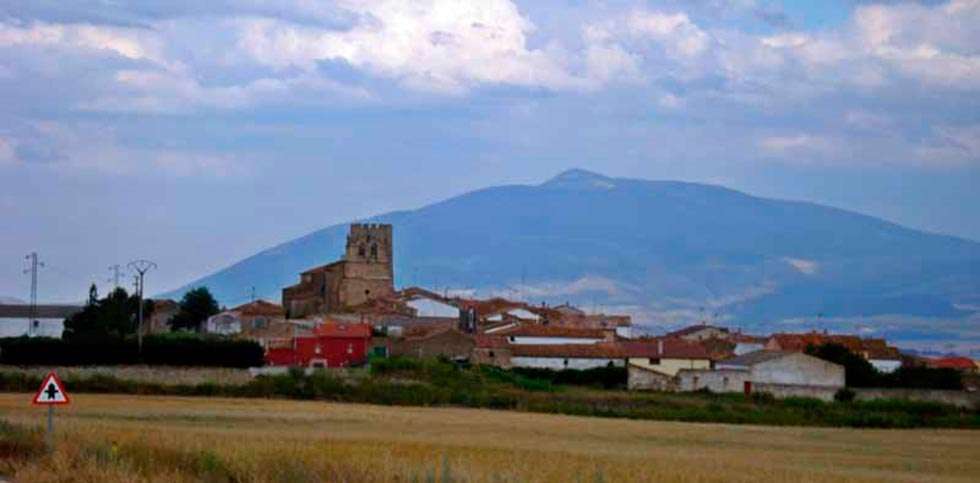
330	345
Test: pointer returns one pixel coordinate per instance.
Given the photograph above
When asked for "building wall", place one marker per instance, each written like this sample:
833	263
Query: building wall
885	366
722	380
798	369
499	357
552	340
643	379
450	343
781	391
558	364
670	366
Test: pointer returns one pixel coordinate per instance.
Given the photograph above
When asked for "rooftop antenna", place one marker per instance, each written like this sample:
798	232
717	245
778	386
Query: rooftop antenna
251	294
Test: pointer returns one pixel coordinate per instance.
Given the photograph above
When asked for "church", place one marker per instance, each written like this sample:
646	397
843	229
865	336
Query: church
365	273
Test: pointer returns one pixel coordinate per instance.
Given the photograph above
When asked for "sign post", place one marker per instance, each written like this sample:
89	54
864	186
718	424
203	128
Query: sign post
51	393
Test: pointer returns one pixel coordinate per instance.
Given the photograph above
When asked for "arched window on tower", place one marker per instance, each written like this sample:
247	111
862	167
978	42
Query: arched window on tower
360	250
374	251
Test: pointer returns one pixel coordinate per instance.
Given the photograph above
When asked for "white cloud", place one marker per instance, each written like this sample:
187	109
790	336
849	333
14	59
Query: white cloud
443	46
794	143
675	31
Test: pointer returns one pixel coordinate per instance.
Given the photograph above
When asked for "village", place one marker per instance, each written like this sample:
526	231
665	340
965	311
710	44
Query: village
343	313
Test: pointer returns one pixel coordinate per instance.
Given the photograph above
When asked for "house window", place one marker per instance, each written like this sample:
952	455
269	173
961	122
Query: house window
725	381
566	362
654	361
260	323
491	354
695	382
512	339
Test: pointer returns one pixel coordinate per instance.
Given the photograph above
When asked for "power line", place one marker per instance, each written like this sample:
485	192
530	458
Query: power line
140	267
32	316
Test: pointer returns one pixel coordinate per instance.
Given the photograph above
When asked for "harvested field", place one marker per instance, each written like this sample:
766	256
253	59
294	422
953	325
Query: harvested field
133	438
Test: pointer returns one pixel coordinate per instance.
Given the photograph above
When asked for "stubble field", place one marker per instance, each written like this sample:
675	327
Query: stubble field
143	438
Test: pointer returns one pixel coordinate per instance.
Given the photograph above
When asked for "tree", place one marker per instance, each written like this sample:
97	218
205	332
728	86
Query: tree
111	317
195	308
858	372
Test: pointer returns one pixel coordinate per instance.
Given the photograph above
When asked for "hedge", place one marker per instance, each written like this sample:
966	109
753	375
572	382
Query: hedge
165	350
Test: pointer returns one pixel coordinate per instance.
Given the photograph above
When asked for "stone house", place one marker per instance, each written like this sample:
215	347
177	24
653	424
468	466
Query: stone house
654	364
780	373
365	273
446	342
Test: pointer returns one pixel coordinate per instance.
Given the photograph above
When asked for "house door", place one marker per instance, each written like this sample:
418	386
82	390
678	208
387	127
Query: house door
747	388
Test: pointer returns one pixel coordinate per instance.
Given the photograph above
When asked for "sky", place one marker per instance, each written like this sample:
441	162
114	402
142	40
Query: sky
195	134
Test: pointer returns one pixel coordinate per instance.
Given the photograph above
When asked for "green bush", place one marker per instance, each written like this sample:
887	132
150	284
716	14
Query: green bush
844	395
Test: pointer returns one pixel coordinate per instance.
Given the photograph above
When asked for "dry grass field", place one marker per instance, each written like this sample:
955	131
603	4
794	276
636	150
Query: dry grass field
140	438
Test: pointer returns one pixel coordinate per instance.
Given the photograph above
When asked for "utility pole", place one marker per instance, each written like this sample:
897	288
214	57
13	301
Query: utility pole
140	267
32	316
116	270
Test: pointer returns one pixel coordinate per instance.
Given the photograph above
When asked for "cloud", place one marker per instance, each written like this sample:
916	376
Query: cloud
794	143
91	146
441	46
7	151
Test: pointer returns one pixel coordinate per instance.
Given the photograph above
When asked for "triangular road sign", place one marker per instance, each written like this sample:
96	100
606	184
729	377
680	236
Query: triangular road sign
52	391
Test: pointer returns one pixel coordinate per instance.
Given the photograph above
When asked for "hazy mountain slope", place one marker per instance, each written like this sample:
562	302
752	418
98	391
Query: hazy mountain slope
660	249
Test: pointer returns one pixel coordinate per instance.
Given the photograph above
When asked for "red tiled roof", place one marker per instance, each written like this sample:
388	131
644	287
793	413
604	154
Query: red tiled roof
960	363
537	330
575	351
667	348
260	307
338	330
799	342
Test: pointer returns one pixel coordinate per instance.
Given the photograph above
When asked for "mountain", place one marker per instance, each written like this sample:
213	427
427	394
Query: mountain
11	300
667	252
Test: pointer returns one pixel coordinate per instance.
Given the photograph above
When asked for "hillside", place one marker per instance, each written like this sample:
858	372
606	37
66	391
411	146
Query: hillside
667	252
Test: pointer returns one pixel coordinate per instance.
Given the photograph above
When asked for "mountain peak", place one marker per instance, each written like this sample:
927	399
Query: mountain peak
580	179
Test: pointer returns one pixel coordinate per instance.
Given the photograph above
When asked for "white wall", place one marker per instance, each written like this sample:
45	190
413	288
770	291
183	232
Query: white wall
432	308
552	340
558	364
885	366
625	332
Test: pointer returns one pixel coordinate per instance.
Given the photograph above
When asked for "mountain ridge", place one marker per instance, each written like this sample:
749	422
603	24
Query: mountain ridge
665	251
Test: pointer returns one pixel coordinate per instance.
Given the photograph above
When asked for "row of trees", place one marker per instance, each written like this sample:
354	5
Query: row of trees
858	372
116	315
